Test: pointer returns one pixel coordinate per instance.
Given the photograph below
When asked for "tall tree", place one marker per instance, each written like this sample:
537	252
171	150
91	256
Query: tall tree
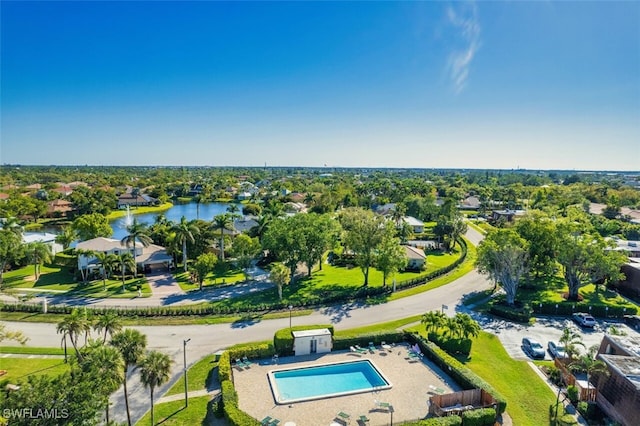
185	232
502	255
131	344
154	371
363	233
68	236
586	257
204	264
588	364
284	242
390	256
89	226
433	321
222	222
245	249
105	365
279	275
109	322
137	232
126	261
570	340
105	262
75	325
11	248
539	230
38	253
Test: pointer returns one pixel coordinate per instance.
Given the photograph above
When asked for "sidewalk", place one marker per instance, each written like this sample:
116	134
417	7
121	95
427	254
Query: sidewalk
192	394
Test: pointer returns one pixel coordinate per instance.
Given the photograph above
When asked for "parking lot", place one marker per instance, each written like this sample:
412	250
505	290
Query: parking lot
544	330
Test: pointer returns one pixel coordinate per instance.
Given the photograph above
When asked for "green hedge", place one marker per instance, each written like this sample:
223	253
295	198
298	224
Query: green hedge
233	414
345	342
462	375
438	421
522	315
568	308
283	338
451	346
481	417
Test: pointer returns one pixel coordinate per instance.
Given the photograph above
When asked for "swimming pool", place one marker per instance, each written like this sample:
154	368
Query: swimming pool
326	381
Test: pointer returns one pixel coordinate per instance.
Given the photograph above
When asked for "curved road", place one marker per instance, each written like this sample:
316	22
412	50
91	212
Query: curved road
206	339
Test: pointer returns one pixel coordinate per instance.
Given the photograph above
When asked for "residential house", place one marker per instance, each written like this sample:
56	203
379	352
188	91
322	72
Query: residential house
618	394
507	215
4	196
59	208
416	225
244	224
417	257
151	257
135	200
470	203
42	237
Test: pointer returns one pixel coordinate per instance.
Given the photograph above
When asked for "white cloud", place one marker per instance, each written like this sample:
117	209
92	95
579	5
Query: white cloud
464	19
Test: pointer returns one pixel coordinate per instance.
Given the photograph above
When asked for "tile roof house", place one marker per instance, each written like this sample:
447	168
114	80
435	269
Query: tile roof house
42	237
136	200
416	225
59	208
153	255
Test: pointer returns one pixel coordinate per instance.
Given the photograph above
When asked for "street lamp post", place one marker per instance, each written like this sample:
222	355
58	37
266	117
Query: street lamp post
290	308
186	383
391	410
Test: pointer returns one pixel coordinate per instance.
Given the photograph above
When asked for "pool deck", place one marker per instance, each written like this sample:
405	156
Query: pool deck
412	381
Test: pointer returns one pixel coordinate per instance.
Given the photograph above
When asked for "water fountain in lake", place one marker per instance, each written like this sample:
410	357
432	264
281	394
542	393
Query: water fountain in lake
128	219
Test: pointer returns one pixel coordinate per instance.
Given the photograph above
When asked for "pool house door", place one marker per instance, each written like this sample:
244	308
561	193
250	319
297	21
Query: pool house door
314	346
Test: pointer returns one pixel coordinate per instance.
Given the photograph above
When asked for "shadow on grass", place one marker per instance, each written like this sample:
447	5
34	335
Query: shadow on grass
42	370
171	415
247	321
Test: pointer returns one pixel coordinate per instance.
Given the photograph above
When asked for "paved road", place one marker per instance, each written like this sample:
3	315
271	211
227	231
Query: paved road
206	339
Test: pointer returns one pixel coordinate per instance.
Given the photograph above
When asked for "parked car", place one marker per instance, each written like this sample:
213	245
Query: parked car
584	320
533	348
556	350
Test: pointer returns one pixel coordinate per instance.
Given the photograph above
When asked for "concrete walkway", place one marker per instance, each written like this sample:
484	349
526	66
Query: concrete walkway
192	394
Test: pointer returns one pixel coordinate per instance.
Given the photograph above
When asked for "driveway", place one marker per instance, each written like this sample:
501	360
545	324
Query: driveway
544	330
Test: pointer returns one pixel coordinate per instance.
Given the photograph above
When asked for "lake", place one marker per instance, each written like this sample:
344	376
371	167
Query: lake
204	211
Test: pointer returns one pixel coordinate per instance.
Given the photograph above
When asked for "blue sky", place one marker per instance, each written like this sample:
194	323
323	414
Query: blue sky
537	85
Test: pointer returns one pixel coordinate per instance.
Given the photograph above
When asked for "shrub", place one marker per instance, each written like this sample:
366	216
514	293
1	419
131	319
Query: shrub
522	314
234	415
438	421
481	417
572	393
344	342
567	420
451	346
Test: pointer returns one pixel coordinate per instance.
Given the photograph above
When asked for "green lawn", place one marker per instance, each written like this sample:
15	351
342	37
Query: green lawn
30	350
198	376
174	413
20	368
140	210
212	279
57	279
528	397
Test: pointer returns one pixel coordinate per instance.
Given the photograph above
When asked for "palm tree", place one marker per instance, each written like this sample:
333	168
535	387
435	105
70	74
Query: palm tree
280	276
154	371
105	363
64	329
222	222
84	272
131	344
184	232
12	224
433	320
233	209
73	326
109	322
570	340
68	236
465	327
587	363
137	233
39	253
105	262
126	260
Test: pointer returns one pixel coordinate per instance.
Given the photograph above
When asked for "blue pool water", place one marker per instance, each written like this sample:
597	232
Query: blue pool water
327	380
